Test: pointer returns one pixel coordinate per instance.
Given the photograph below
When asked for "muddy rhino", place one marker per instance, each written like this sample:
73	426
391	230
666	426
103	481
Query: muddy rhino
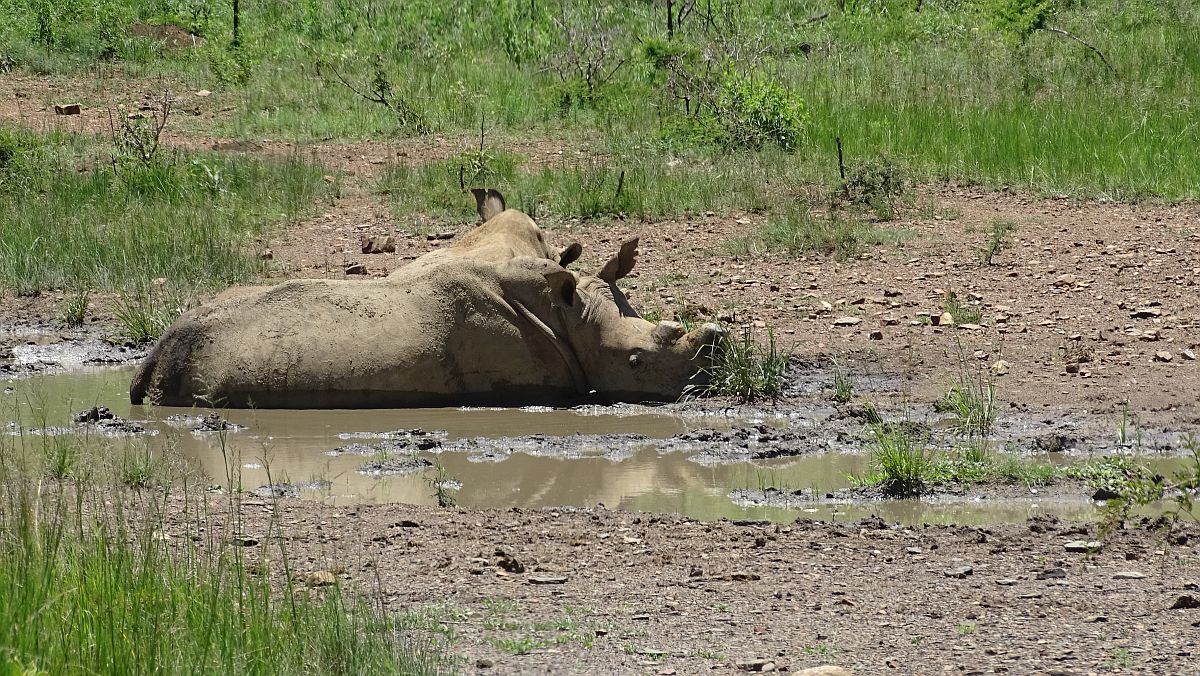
495	319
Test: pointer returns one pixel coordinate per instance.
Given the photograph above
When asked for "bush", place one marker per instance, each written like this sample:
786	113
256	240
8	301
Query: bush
754	111
878	183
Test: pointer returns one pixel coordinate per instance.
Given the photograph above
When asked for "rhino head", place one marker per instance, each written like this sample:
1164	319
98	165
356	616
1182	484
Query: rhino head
612	352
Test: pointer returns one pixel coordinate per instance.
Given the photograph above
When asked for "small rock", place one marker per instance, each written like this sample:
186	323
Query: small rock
875	335
944	319
203	93
1186	602
243	541
1006	582
847	321
319	578
1129	575
1096	618
375	245
1146	313
970	327
356	269
482	663
1052	574
94	414
440	235
548	579
960	572
1065	280
912	550
1162	355
1188	355
824	670
755	665
1000	367
66	109
1080	546
891	293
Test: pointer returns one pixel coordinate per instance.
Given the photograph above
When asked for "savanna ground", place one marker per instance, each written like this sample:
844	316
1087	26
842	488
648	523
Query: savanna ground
1038	190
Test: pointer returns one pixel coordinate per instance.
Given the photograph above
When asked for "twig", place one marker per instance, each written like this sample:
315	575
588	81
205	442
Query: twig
1083	42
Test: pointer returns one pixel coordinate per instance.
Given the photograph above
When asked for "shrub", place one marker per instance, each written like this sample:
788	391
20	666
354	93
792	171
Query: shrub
877	183
754	111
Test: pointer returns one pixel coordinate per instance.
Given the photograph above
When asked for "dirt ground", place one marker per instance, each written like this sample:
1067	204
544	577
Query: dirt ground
1095	305
594	591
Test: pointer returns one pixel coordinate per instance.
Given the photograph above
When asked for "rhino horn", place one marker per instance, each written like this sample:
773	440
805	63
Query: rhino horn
488	202
621	264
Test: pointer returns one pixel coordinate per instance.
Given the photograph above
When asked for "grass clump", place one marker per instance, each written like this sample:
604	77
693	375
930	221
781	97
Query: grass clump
743	369
972	402
962	313
900	460
878	184
800	231
999	238
147	311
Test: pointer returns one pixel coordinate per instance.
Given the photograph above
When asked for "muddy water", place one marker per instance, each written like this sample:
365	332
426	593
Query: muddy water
294	447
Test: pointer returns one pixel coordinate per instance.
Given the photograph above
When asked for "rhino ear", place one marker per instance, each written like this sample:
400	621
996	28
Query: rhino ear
562	285
570	254
621	264
488	202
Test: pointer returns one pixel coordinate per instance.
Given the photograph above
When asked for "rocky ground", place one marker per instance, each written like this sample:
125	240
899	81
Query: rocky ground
582	591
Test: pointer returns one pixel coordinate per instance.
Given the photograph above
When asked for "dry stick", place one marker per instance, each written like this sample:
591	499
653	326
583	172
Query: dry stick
1083	42
841	162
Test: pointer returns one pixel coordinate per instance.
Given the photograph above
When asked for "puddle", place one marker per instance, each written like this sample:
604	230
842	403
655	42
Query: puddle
627	457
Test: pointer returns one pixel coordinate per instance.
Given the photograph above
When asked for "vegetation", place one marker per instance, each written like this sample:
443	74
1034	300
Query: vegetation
999	238
68	220
972	401
743	369
800	231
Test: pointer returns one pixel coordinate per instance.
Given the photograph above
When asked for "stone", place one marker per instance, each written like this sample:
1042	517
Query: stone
1006	582
440	235
1129	575
319	578
1051	574
847	321
824	670
93	414
548	579
1080	546
970	327
944	319
1186	602
243	541
356	269
1162	355
1188	355
375	245
67	109
875	335
1065	280
1146	313
203	93
1000	367
755	665
960	572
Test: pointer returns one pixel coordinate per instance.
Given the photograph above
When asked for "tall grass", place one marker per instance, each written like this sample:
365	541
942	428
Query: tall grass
938	88
743	369
105	567
69	220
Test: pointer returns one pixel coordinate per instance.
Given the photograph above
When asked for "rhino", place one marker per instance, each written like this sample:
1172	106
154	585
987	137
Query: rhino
496	319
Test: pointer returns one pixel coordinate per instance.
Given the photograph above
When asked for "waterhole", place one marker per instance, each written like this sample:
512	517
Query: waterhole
627	457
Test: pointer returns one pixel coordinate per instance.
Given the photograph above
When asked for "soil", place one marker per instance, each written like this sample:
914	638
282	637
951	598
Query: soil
1095	309
594	591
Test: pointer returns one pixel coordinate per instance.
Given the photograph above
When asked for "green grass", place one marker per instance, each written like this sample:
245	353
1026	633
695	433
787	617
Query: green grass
799	231
67	220
748	371
972	402
941	91
98	574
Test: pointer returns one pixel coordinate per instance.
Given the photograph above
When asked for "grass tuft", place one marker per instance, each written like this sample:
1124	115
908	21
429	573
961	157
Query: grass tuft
743	369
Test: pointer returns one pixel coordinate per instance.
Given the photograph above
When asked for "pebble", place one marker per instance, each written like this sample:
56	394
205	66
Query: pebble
1129	575
1051	574
960	572
1162	355
1082	546
847	321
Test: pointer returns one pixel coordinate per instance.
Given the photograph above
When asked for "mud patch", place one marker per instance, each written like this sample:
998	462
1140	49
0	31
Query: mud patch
202	424
396	466
291	489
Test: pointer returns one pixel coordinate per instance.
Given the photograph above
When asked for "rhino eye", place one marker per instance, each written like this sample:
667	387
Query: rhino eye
635	360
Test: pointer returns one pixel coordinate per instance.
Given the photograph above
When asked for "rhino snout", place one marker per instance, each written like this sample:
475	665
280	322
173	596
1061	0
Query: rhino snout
710	334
